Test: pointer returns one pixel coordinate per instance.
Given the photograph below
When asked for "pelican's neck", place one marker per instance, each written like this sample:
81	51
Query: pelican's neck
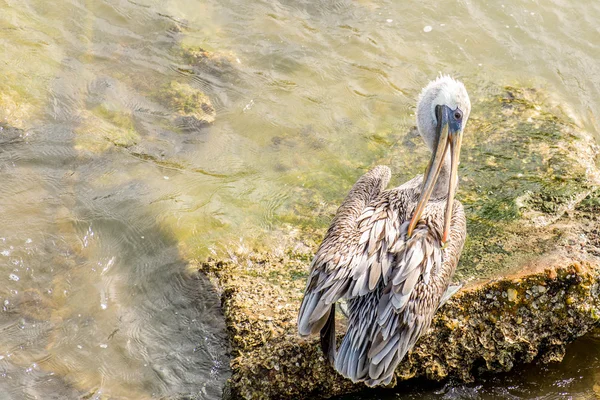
440	190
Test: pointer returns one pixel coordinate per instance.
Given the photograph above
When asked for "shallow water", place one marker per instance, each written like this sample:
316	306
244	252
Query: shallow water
106	197
576	377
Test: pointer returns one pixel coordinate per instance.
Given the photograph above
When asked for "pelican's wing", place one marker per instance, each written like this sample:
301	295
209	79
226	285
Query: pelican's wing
403	315
355	254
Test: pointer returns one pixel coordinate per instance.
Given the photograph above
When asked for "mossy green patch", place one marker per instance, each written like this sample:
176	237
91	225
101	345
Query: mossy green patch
523	169
187	102
591	203
217	62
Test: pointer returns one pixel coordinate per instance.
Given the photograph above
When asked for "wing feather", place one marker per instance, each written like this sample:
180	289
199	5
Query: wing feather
374	275
347	263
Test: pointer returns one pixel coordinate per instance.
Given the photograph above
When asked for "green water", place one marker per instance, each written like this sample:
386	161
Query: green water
107	193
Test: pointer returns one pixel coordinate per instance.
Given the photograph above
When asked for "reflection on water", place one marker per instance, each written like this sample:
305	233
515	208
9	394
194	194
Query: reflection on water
108	191
96	299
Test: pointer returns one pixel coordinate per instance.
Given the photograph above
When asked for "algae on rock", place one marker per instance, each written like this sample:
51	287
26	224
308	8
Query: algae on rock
526	164
13	109
191	105
529	186
218	63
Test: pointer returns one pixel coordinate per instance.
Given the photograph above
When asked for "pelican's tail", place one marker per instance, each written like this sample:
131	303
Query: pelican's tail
352	360
389	347
372	348
394	335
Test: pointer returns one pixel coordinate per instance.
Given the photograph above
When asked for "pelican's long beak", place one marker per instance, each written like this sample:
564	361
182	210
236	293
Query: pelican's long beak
449	135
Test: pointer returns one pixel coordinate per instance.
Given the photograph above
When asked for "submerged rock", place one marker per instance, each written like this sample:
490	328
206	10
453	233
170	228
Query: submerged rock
215	63
15	110
529	186
192	107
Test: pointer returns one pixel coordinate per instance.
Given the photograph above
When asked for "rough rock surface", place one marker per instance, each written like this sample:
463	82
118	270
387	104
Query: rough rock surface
535	224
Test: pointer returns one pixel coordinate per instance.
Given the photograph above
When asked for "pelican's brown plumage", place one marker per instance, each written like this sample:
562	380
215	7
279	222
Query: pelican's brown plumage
392	253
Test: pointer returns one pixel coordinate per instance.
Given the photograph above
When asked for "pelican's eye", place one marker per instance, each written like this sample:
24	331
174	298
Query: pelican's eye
457	114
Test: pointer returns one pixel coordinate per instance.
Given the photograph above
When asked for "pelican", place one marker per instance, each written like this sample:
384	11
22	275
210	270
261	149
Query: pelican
391	254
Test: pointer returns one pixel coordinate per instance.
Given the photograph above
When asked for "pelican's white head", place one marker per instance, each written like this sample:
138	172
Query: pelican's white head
443	91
